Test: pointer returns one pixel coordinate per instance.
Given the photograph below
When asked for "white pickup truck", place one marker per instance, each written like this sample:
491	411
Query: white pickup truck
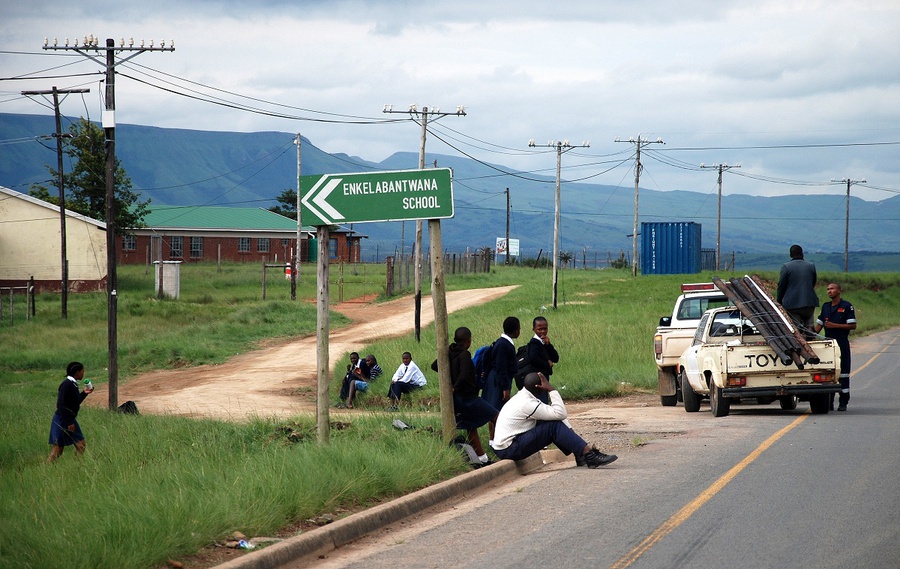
675	333
729	360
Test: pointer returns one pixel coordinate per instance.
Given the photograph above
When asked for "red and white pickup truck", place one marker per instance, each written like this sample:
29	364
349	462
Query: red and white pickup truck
675	334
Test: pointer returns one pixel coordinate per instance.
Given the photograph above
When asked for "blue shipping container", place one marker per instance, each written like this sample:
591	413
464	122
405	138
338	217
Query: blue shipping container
671	248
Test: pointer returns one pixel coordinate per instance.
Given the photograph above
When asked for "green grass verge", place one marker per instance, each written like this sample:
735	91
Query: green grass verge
150	488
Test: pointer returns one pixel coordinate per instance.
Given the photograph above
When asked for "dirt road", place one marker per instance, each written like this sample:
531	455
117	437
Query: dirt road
278	380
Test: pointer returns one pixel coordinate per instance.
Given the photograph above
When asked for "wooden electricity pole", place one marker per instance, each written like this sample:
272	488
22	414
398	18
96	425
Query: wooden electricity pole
60	181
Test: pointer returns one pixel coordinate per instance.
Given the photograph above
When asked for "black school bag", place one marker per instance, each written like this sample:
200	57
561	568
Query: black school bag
523	366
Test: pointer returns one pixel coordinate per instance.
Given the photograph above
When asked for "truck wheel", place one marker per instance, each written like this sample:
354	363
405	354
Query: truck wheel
691	399
718	404
788	402
668	385
819	404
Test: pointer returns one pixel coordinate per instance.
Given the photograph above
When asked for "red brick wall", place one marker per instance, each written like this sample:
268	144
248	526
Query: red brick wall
229	252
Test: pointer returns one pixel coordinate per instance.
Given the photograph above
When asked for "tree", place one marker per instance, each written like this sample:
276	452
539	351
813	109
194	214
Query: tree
85	186
565	257
287	203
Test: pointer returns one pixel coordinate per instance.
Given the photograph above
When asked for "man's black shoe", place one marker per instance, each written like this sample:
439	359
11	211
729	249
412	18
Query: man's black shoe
842	407
594	458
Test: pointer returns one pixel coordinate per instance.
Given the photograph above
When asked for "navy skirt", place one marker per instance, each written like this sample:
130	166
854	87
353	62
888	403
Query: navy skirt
61	436
472	412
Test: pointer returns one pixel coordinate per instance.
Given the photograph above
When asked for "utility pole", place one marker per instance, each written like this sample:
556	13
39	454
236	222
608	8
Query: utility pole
639	143
849	183
90	48
64	263
720	168
561	146
507	226
435	113
295	269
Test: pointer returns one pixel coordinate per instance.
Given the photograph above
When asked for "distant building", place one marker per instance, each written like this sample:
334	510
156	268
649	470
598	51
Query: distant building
216	233
30	245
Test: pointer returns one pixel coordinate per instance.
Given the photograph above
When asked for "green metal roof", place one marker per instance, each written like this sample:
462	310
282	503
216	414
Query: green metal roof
218	217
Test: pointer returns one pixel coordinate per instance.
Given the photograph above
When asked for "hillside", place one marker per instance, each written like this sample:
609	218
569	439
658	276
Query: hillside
184	167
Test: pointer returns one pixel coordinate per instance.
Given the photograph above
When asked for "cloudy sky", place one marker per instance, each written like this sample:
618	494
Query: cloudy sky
796	92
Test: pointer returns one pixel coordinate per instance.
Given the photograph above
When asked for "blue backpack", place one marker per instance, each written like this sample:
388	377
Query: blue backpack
483	358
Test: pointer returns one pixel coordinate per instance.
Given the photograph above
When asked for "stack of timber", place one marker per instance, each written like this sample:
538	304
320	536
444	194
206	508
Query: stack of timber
769	318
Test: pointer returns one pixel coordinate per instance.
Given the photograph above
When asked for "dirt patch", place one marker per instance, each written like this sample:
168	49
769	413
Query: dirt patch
279	379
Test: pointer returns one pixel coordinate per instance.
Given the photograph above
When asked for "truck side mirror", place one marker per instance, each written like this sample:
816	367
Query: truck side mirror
665	321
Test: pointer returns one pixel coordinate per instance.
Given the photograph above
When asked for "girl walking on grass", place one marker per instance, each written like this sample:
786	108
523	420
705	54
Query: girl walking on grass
64	428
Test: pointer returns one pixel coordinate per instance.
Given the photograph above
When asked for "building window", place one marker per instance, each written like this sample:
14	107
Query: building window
196	247
332	248
177	247
262	245
285	242
129	243
243	244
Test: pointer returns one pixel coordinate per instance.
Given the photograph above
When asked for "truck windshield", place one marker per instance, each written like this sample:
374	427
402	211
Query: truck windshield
693	308
730	324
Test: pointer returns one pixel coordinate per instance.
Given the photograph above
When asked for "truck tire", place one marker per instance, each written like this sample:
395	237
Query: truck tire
819	404
691	399
718	404
668	384
788	402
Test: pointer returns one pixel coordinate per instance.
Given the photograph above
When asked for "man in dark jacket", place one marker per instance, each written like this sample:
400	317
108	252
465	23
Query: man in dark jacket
796	288
471	410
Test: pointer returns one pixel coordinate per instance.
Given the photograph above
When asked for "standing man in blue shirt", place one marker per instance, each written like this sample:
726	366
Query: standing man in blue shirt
838	317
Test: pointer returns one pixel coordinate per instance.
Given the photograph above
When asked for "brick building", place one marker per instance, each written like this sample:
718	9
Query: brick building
215	233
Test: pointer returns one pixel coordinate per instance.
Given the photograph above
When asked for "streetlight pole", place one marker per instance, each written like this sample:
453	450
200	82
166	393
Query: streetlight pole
639	143
560	146
849	183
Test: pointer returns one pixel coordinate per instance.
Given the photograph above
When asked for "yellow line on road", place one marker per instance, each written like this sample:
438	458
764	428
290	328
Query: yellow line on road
684	513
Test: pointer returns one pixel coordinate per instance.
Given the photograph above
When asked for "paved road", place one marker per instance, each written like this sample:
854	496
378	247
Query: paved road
762	488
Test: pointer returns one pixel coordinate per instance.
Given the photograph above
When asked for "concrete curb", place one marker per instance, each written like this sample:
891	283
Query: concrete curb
328	538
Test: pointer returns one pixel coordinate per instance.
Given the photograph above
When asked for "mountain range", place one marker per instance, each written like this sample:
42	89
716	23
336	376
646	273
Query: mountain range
191	167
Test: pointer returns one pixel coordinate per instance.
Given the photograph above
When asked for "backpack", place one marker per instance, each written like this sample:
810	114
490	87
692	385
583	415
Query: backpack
129	408
523	368
483	360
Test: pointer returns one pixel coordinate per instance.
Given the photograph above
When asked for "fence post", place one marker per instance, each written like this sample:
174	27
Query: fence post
389	275
29	296
264	281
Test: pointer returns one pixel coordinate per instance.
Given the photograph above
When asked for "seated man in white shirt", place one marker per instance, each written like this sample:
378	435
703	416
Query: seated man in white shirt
525	425
407	377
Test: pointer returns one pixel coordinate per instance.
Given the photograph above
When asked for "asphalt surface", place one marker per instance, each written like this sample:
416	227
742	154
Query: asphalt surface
760	488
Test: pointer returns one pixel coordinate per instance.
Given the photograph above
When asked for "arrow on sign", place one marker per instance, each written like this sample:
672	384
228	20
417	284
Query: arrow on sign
321	195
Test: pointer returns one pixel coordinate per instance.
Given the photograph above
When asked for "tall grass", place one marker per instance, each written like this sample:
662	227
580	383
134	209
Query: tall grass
151	488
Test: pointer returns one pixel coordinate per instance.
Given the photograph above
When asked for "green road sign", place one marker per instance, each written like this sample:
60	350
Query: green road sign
399	195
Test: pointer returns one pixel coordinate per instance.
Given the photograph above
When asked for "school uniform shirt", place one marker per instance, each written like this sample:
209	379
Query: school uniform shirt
504	365
540	355
68	401
522	412
409	374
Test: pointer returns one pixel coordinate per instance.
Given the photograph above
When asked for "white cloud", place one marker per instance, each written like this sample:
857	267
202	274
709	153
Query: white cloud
700	74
